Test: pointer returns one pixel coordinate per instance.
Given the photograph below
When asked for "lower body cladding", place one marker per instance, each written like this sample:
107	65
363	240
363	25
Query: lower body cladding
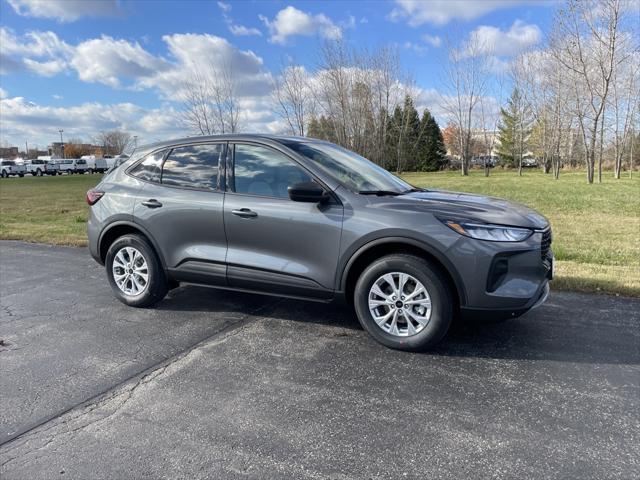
514	283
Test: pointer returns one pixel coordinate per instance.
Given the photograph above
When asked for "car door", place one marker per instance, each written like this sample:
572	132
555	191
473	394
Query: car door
181	206
277	245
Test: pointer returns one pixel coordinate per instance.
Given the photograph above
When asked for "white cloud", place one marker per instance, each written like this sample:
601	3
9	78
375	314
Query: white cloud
65	10
493	41
241	30
19	53
107	60
200	52
45	69
33	44
225	7
3	93
441	12
57	97
290	22
433	40
417	48
40	124
235	29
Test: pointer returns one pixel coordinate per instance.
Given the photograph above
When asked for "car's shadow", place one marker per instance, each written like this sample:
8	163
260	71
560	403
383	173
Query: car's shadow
551	333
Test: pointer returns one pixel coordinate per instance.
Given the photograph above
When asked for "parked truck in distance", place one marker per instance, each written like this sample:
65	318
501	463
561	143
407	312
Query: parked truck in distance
71	165
96	165
38	167
10	168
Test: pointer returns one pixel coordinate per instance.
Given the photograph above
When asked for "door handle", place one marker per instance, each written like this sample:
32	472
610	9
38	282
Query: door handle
244	213
152	203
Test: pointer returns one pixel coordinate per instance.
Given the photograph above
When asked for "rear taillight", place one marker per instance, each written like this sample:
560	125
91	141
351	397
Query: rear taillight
94	195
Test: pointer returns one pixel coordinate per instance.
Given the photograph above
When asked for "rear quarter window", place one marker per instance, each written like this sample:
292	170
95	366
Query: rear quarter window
148	169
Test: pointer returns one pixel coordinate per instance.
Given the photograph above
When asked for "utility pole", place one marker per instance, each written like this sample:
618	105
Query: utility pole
61	143
26	149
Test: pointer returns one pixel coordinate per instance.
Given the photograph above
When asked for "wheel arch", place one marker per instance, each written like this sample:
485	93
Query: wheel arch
120	228
375	249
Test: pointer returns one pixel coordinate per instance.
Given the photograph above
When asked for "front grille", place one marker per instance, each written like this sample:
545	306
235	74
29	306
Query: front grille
545	243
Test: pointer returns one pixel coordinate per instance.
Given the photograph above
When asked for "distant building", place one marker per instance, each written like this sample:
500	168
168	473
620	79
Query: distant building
9	153
74	150
56	149
34	153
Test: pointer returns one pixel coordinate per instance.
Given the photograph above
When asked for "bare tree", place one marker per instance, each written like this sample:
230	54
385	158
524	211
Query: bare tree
356	91
585	42
209	100
624	104
295	102
114	142
466	75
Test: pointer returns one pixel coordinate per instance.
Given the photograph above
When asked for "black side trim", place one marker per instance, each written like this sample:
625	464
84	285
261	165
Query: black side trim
195	271
275	283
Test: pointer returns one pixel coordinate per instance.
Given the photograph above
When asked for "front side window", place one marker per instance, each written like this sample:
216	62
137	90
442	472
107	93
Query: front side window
149	168
355	172
265	172
193	166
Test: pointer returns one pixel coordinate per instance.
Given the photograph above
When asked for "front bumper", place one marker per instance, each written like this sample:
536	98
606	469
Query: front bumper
504	277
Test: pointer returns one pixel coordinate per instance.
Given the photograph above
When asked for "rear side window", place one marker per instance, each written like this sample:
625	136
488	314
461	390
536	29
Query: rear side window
193	166
149	168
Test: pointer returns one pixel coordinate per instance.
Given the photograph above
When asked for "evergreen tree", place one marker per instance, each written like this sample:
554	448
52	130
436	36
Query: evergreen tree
313	129
430	146
411	135
514	130
403	132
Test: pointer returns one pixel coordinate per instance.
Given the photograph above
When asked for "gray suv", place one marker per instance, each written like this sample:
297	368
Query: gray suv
303	218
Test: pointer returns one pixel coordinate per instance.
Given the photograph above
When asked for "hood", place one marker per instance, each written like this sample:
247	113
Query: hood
472	207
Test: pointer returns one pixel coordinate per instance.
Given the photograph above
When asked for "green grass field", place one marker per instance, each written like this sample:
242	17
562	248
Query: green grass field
596	227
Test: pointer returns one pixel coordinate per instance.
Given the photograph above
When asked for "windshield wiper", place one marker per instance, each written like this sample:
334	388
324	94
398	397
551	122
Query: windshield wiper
380	193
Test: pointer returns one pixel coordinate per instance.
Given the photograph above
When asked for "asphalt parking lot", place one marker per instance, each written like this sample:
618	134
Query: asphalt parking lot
213	384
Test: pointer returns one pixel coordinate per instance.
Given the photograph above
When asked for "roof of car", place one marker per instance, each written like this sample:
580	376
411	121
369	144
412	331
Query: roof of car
228	137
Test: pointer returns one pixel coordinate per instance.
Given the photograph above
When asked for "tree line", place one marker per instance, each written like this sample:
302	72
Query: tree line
572	100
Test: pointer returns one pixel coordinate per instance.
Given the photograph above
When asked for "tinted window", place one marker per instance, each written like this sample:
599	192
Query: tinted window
149	168
195	166
266	172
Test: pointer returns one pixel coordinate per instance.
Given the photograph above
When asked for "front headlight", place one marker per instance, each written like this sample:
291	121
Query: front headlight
493	233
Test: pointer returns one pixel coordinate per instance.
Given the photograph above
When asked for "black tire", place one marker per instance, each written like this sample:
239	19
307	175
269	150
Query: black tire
21	175
38	173
90	171
157	286
442	305
4	174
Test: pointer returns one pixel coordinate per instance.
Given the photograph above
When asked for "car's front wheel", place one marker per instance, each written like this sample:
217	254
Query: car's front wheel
404	302
135	273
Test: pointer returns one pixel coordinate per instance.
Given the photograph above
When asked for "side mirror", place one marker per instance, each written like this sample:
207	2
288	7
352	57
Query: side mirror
307	192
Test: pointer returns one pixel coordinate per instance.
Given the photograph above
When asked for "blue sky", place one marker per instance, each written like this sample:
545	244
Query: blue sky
86	65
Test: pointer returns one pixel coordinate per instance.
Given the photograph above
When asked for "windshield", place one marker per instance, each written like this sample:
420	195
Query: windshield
8	163
355	172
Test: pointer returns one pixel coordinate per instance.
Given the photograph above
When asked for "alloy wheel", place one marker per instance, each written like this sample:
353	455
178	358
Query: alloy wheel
130	271
399	304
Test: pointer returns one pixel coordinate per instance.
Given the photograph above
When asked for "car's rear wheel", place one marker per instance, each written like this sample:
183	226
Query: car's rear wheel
403	302
38	173
135	273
